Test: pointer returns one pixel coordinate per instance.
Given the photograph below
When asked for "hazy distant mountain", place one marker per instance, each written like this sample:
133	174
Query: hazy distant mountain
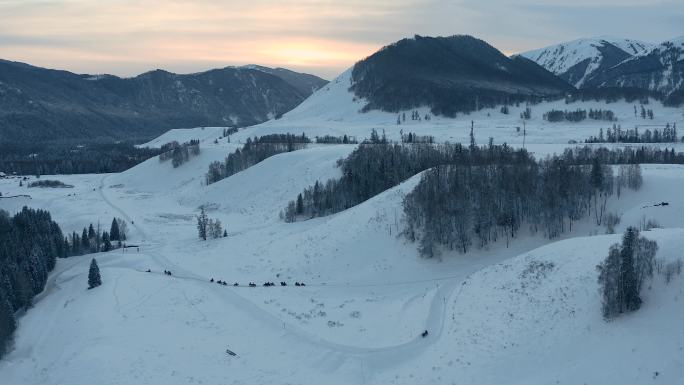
42	104
579	60
449	74
306	83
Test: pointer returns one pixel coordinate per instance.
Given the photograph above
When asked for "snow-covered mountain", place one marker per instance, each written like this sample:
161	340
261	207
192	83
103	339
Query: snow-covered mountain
660	70
451	75
578	60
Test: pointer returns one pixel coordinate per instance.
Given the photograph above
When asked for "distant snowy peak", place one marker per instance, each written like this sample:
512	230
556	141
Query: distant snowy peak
661	70
632	47
670	51
679	41
577	60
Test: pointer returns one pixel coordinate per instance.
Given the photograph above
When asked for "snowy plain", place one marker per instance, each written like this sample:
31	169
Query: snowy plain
494	316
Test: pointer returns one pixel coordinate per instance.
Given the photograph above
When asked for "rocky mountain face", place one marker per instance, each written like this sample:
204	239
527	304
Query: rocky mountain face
45	104
661	70
616	64
579	60
449	74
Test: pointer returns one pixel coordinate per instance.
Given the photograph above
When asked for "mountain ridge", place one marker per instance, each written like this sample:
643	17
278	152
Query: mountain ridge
577	60
451	75
600	63
44	104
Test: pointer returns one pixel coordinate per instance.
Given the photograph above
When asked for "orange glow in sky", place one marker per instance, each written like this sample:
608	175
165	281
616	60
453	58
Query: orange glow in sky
324	37
127	37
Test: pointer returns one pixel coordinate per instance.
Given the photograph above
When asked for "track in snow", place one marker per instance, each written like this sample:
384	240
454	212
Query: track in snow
434	322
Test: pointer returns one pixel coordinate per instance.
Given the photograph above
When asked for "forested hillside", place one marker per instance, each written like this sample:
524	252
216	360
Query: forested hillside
30	243
450	75
44	104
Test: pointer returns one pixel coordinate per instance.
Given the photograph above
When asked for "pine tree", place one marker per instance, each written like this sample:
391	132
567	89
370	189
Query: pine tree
114	231
66	249
7	322
123	229
300	205
628	279
202	223
94	279
609	281
85	242
374	138
623	273
75	244
91	232
473	145
214	228
106	243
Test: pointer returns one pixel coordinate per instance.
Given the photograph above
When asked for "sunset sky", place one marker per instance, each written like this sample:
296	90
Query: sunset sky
127	37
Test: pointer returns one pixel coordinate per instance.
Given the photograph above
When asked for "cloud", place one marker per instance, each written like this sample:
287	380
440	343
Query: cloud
321	36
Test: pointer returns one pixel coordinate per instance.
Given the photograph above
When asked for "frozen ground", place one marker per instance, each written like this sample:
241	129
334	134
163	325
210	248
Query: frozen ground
527	314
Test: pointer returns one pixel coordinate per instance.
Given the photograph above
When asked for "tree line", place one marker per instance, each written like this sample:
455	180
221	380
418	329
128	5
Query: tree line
626	155
329	139
254	151
412	137
48	183
208	227
30	243
578	115
179	153
623	273
93	239
377	165
69	158
461	206
415	115
617	135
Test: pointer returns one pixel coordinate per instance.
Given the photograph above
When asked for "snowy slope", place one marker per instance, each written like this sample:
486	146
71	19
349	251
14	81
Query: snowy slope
495	316
333	111
660	70
586	56
535	319
558	58
528	313
182	135
368	295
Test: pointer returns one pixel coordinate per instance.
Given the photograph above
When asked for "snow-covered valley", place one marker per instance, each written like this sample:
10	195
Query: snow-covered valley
524	314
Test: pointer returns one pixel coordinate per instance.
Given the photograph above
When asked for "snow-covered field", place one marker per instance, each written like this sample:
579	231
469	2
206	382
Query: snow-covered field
333	110
526	314
182	135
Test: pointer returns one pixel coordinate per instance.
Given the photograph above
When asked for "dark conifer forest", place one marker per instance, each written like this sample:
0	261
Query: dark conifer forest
30	243
474	195
254	151
377	165
70	158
